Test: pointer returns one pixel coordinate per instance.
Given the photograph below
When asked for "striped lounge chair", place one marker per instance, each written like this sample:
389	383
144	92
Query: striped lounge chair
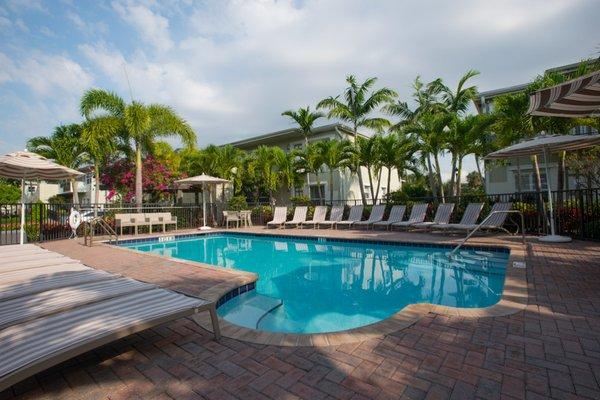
376	216
442	216
299	217
396	215
469	218
49	314
354	216
417	214
336	215
493	222
318	217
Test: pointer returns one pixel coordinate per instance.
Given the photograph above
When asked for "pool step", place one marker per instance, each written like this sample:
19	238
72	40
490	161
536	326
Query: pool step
249	308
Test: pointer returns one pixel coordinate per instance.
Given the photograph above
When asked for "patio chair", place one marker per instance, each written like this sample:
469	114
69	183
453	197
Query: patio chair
279	217
354	216
318	217
417	214
493	222
442	217
469	217
396	215
335	216
231	216
299	216
376	216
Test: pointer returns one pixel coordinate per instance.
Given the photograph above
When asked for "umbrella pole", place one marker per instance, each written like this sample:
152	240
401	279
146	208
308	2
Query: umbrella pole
553	237
204	227
22	232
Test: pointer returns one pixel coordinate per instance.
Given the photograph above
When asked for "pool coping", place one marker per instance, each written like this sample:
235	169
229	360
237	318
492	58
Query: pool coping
514	296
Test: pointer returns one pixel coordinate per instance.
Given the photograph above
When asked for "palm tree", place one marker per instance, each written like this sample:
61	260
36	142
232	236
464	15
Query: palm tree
65	147
458	101
396	151
357	103
311	161
336	154
264	163
368	150
139	122
288	166
305	120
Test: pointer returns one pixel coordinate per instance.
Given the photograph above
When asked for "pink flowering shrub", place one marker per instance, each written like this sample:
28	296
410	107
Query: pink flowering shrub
157	179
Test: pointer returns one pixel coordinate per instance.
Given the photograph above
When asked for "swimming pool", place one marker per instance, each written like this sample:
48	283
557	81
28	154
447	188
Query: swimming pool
316	285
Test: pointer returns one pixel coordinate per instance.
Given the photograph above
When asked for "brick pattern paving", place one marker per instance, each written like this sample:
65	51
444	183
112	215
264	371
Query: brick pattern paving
550	350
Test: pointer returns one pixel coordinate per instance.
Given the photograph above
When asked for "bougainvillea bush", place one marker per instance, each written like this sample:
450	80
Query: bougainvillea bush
158	178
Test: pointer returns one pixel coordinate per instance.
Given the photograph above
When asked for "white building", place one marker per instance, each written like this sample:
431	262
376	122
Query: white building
502	176
345	184
86	189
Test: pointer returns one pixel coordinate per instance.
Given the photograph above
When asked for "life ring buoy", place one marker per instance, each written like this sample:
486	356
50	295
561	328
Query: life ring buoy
74	219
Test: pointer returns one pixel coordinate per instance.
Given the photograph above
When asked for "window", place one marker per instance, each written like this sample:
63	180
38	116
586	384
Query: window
317	192
298	146
384	191
367	192
528	181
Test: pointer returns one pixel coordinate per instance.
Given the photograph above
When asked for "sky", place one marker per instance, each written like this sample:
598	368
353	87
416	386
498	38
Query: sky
231	67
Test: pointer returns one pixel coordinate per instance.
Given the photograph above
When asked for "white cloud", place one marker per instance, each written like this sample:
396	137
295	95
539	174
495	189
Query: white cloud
46	75
152	27
5	23
87	27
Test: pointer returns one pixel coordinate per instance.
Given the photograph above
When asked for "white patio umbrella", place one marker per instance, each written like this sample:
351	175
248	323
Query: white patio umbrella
26	165
203	180
545	144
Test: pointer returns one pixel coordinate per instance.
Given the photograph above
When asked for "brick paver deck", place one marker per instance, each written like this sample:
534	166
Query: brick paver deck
550	350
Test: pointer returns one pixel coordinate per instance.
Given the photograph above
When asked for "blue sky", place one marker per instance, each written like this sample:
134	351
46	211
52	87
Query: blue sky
231	67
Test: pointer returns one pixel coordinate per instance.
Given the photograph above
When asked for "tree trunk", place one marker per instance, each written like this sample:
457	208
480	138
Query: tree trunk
459	177
378	185
479	170
370	175
97	189
431	177
518	174
331	185
359	169
560	182
389	180
453	177
138	176
439	176
75	194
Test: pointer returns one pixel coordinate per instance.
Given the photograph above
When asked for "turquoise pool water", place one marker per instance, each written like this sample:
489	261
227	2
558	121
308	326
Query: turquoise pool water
310	286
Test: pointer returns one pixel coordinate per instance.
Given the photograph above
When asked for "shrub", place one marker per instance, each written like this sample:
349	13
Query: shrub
237	203
300	200
57	199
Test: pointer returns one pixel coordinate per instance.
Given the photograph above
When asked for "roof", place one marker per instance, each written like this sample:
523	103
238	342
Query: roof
290	134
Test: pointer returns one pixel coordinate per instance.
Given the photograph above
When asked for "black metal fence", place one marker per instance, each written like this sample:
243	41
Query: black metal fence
576	212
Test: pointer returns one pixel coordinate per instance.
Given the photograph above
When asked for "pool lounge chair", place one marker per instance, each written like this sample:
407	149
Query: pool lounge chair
376	216
318	217
396	215
49	315
469	217
417	215
279	217
299	216
493	222
336	215
442	217
354	216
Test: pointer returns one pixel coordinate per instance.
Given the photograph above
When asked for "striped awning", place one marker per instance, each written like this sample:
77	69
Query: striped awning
549	143
27	165
576	98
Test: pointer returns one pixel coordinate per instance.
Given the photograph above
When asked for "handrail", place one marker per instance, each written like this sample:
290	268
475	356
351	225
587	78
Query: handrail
485	220
105	227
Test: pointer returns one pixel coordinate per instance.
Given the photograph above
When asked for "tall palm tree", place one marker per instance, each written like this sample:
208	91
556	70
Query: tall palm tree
140	123
396	151
305	120
368	150
65	147
311	161
355	106
425	98
336	154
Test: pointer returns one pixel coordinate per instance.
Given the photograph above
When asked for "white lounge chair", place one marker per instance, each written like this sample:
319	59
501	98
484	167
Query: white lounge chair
469	217
495	219
396	215
417	214
442	217
299	216
279	217
354	216
53	313
376	216
335	216
318	217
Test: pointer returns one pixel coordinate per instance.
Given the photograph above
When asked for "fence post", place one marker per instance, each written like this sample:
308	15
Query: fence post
41	217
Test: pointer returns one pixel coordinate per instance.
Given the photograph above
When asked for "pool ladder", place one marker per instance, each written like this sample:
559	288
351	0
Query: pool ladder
453	252
89	231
